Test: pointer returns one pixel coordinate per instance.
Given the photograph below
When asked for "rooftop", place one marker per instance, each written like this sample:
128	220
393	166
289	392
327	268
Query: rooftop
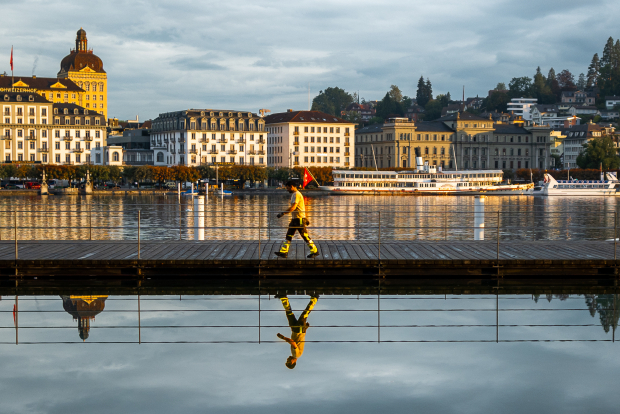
304	117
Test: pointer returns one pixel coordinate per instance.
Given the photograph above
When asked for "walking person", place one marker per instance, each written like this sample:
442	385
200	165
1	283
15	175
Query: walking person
298	222
298	329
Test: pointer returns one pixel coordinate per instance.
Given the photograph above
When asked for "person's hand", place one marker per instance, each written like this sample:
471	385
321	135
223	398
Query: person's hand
280	215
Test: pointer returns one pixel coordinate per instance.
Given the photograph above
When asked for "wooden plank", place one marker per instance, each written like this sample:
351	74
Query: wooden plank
351	251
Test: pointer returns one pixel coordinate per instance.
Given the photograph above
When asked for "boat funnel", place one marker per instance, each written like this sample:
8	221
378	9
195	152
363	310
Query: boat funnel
419	163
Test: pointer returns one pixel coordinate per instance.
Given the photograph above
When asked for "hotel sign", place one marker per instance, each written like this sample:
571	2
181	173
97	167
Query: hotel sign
25	90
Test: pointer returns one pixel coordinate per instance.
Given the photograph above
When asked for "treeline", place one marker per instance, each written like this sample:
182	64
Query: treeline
149	173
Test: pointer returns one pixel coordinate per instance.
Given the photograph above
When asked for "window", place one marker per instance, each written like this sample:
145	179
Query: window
115	156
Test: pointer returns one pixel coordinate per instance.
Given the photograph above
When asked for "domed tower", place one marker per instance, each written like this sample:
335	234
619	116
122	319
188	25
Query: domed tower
85	68
83	309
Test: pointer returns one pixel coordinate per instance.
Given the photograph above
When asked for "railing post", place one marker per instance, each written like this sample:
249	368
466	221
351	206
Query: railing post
15	222
90	225
379	238
139	219
260	218
498	237
445	223
615	232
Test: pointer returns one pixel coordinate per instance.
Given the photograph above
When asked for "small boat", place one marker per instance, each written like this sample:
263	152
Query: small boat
223	192
190	193
610	186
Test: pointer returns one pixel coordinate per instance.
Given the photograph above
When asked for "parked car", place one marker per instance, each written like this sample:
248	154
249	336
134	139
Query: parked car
32	185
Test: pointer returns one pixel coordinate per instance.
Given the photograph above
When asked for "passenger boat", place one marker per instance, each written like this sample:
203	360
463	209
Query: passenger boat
552	187
425	180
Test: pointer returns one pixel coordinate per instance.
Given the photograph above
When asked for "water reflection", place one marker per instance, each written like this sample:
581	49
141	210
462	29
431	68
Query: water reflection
249	217
251	319
298	326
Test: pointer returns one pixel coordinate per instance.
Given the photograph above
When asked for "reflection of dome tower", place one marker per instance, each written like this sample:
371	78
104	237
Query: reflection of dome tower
85	68
83	309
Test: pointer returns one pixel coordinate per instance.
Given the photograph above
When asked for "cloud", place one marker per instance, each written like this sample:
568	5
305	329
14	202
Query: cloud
166	55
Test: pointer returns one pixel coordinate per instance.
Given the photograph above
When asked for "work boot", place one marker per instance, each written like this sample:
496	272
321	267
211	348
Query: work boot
283	253
314	252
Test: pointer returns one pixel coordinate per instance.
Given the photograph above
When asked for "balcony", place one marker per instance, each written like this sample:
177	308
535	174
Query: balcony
67	138
261	152
346	134
296	133
193	151
31	137
44	149
296	163
173	139
5	137
346	143
79	150
261	141
88	138
296	143
347	153
346	164
252	152
223	140
232	151
204	140
212	152
241	140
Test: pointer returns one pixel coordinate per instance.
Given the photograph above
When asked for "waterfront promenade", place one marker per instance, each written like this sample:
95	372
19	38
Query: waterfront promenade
341	259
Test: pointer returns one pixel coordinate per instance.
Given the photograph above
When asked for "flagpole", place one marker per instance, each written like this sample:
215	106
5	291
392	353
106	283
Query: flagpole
12	78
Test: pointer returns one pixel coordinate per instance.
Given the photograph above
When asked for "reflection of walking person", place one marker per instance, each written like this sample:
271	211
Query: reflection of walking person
298	222
298	329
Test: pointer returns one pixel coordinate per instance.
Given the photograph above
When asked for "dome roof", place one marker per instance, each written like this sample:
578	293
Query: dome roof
77	61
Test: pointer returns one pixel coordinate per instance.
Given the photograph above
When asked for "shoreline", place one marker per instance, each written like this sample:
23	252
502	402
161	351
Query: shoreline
149	192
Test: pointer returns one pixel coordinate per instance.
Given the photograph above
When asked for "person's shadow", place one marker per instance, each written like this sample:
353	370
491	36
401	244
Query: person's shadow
298	328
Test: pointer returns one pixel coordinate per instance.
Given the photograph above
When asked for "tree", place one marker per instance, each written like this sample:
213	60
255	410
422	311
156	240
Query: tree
608	52
597	151
395	94
581	82
501	86
566	80
429	89
594	71
332	101
541	90
444	99
352	116
432	110
552	82
423	94
498	101
520	87
388	107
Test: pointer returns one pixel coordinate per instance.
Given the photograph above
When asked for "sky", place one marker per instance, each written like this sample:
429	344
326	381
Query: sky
164	55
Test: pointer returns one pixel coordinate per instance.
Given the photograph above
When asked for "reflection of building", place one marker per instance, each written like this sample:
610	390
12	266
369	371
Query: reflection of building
83	309
86	70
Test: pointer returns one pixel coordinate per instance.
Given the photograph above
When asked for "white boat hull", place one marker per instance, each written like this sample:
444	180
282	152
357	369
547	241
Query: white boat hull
516	189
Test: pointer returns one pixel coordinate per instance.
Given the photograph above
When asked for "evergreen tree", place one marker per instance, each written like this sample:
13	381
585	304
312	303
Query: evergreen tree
429	89
593	72
541	90
581	82
422	95
607	52
566	80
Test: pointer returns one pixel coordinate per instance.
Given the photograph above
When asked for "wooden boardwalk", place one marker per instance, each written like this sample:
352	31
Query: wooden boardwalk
352	259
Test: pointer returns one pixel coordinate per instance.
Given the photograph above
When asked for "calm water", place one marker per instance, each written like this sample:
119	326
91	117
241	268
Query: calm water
343	218
365	354
437	354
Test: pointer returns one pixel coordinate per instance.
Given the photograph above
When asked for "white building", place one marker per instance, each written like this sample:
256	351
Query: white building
612	101
308	139
108	155
206	136
522	107
34	129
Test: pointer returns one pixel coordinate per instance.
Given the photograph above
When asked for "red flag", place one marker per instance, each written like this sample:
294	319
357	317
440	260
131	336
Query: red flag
308	178
11	58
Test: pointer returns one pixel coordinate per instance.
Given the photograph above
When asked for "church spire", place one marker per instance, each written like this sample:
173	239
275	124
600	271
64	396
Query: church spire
81	43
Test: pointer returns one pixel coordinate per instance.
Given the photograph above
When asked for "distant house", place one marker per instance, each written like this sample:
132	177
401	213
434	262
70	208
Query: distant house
608	115
577	136
578	97
414	112
364	111
612	101
583	110
522	107
474	103
453	109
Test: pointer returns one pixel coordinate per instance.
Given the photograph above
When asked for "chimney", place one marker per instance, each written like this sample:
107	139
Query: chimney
34	76
289	110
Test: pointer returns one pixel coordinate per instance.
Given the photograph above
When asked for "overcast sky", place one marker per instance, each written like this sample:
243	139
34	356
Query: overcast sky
164	55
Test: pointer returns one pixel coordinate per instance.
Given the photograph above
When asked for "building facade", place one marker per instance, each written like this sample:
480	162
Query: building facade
85	69
55	90
308	139
579	97
34	129
576	137
207	136
521	107
457	141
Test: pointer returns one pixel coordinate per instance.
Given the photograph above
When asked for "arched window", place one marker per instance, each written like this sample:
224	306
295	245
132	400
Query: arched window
160	157
101	86
94	86
115	156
